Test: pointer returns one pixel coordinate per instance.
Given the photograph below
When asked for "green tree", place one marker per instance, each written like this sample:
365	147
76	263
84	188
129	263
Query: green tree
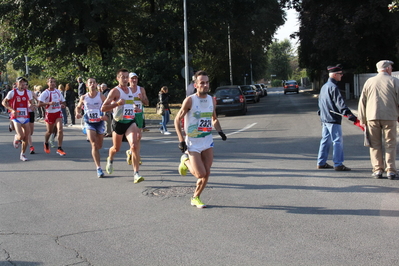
86	38
279	57
353	33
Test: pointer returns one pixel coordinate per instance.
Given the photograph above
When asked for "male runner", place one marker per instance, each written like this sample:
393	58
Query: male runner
53	101
94	120
198	111
140	99
121	100
17	102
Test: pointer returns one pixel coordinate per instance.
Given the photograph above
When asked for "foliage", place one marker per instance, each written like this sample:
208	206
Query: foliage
70	38
277	83
353	33
279	56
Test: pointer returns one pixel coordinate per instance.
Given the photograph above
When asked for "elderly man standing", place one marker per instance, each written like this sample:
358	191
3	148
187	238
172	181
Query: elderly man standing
378	109
331	109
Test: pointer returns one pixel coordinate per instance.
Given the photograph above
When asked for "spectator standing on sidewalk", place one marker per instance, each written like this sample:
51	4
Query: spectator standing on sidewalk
81	87
330	99
69	96
378	109
164	99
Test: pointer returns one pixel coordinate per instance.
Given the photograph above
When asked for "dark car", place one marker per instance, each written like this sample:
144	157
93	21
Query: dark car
230	99
251	95
291	86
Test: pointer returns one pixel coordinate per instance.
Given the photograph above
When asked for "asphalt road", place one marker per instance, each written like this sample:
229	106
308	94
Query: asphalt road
267	203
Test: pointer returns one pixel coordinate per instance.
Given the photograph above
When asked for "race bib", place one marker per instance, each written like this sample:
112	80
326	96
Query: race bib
205	124
128	110
93	115
22	112
57	105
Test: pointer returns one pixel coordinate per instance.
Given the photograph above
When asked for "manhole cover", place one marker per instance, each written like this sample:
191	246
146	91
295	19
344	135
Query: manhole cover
170	191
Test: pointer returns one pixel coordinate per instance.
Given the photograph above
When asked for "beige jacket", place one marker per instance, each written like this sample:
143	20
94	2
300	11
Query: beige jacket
379	99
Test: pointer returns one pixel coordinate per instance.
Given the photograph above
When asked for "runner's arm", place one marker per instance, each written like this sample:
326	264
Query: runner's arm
111	102
78	109
215	120
186	106
144	98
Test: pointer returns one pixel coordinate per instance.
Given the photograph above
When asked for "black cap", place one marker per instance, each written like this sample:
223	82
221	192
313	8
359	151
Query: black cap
334	69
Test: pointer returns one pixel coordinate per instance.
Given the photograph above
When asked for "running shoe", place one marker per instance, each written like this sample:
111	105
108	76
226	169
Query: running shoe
100	173
46	148
161	130
61	152
32	150
183	167
138	178
109	167
23	158
196	201
129	157
16	142
167	133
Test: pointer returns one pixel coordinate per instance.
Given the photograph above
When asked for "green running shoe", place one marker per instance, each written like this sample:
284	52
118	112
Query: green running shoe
197	203
138	178
109	167
129	157
182	166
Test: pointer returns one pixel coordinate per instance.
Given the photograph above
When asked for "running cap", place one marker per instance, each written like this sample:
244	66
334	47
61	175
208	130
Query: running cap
131	75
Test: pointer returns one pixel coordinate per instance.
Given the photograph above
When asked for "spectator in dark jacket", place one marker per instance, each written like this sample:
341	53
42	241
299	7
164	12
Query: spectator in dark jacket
164	99
70	97
331	109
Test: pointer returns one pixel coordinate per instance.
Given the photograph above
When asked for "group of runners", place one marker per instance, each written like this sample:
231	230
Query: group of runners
125	102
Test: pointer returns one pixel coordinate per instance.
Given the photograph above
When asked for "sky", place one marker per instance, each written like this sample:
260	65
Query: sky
290	26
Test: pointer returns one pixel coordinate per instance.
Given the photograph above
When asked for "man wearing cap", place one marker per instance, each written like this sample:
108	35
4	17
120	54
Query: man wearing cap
378	109
331	104
121	100
140	99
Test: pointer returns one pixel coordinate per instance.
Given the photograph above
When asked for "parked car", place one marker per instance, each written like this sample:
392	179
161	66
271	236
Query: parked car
230	99
260	90
250	93
291	86
264	87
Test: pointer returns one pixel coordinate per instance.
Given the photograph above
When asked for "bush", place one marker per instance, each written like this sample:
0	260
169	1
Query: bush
277	83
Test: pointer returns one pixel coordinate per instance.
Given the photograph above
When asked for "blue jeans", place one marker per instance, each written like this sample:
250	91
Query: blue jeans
165	120
331	134
64	116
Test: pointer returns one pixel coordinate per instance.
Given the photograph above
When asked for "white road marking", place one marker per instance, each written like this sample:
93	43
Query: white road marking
231	133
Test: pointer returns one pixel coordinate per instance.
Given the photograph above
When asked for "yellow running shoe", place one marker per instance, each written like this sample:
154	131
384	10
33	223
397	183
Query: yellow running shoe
196	201
138	178
109	167
182	166
129	157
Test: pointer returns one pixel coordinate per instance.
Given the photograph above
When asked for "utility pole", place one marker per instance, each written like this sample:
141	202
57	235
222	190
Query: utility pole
229	43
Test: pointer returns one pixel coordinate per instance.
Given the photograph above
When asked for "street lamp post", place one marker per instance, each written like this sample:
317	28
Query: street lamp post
186	74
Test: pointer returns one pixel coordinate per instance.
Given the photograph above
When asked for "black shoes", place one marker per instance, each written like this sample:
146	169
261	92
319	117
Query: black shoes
326	166
342	168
